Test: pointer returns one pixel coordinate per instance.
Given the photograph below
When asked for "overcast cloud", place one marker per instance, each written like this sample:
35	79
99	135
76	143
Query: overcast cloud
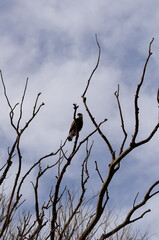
53	43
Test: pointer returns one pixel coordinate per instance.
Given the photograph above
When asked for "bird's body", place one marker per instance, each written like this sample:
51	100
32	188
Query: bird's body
76	127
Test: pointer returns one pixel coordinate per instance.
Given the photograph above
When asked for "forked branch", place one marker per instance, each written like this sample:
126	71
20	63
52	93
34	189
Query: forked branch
135	207
114	165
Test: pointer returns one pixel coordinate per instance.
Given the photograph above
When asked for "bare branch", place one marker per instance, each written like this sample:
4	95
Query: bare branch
35	105
86	138
83	182
158	102
128	220
5	91
149	137
11	206
122	120
137	95
38	217
8	163
35	112
87	109
37	163
21	104
11	114
97	169
158	96
98	60
135	199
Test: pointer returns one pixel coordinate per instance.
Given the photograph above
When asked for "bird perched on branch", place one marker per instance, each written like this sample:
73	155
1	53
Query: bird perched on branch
76	126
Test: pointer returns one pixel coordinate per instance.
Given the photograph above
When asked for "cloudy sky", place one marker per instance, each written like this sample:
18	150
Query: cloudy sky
53	44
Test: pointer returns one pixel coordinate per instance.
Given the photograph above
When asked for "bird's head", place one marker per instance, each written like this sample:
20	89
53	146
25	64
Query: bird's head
79	115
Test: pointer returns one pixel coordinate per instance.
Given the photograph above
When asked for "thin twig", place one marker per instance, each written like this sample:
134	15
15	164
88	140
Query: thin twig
21	104
97	169
11	114
98	60
35	105
5	91
158	102
122	120
135	199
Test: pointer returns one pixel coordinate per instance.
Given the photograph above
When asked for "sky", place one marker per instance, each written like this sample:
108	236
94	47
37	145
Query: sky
53	44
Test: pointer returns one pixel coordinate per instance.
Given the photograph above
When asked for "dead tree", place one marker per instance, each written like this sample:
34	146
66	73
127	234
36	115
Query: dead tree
114	165
67	215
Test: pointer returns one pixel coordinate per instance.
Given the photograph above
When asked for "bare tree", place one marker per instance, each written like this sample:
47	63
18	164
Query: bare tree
67	214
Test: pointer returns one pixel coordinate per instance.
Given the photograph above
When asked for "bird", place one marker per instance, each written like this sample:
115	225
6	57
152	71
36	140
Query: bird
76	127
